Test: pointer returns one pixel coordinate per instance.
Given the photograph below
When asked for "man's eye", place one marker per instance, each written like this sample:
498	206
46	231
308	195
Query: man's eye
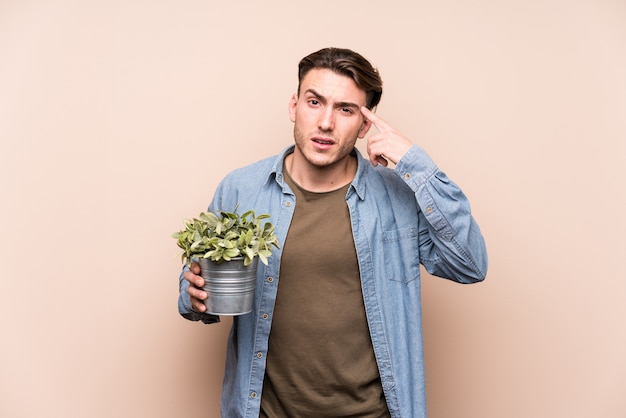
346	110
314	102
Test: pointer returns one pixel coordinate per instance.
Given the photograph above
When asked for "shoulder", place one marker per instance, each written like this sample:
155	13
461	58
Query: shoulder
243	185
258	171
247	181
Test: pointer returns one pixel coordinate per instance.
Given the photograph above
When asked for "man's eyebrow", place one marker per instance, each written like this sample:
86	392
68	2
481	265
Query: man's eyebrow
316	94
338	104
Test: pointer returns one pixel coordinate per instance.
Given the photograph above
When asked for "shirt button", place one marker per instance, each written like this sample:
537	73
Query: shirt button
265	316
288	204
259	355
253	395
407	176
270	279
428	210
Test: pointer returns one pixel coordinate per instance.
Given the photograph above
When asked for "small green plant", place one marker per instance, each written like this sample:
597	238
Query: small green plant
224	237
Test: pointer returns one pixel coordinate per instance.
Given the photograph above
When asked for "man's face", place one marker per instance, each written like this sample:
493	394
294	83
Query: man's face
327	117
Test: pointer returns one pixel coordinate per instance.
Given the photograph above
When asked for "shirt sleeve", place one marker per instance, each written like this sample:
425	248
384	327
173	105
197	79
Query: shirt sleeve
450	242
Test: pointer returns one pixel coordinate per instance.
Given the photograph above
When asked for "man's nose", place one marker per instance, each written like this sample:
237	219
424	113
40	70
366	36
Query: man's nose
327	119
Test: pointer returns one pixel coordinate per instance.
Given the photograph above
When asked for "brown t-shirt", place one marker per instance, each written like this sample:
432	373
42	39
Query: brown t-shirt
320	361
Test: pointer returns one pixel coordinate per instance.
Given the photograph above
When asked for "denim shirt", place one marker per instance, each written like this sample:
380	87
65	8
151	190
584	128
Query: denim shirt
400	218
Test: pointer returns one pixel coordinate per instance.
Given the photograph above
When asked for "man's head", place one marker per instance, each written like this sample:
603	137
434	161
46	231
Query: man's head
327	110
346	63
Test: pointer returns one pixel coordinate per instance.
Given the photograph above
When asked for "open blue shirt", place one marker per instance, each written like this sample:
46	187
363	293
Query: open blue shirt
400	218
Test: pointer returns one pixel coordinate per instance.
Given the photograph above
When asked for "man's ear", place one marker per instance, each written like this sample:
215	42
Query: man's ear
365	127
292	107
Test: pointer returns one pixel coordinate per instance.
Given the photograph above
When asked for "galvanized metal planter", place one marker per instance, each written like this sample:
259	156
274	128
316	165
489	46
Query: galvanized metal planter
230	285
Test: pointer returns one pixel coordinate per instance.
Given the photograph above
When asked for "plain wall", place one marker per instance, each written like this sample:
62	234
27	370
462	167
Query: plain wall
117	120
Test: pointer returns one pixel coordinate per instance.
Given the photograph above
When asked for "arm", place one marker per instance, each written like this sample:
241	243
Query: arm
450	241
191	295
451	244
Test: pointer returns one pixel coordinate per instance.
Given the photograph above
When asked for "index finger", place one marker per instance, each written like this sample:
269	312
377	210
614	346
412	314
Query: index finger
195	268
380	124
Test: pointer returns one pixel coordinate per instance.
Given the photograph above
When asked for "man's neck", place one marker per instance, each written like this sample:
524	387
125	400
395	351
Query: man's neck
320	179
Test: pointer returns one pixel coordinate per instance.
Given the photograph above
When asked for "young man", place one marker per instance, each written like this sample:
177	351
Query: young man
336	327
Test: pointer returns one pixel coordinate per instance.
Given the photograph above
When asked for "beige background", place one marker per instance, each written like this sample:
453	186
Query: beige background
118	118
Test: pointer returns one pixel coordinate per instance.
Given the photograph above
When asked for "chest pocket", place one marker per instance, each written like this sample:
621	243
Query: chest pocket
401	251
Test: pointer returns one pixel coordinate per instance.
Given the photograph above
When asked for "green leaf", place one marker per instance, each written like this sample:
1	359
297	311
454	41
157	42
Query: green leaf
232	252
225	235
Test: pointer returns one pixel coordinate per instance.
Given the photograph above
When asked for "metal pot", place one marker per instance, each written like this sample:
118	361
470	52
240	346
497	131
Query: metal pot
230	285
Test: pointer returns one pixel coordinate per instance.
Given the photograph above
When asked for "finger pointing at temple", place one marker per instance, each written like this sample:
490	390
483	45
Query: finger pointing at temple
387	144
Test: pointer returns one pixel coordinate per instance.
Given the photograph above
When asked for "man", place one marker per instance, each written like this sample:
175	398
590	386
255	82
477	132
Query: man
336	327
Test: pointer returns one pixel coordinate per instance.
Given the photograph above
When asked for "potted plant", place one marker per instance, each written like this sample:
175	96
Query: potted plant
228	248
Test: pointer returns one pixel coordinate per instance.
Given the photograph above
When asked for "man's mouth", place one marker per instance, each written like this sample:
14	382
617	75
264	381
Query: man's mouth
323	141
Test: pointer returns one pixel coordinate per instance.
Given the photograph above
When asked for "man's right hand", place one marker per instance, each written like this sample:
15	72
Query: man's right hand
197	296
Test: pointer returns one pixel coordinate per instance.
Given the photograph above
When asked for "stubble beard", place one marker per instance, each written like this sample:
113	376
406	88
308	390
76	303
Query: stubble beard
301	141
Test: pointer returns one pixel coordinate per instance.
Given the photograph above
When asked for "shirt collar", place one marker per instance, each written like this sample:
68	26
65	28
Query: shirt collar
358	183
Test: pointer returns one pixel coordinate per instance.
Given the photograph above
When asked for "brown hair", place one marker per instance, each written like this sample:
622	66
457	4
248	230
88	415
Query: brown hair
347	63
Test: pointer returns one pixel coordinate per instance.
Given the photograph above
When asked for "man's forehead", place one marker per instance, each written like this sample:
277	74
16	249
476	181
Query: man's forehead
327	83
